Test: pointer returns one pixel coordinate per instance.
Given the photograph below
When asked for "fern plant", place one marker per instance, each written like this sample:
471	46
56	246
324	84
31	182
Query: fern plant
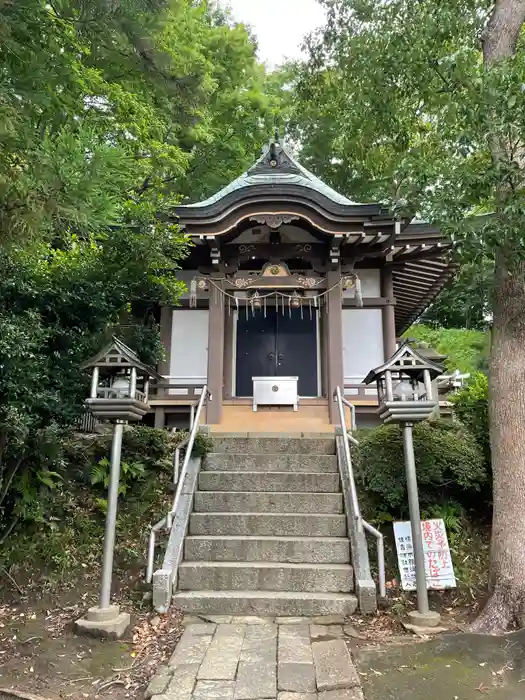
130	472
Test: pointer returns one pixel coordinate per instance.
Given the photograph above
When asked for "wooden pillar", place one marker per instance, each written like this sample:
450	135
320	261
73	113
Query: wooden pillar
334	322
229	369
215	357
389	312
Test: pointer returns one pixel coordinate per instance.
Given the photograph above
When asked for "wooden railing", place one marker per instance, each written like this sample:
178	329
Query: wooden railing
360	392
171	390
112	393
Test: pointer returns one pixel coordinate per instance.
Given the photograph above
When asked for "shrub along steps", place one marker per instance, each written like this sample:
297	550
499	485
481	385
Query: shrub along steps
268	533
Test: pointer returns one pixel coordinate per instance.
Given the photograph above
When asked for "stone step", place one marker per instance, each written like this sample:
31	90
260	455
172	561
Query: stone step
265	576
267	502
322	550
269	463
274	445
302	525
265	603
274	481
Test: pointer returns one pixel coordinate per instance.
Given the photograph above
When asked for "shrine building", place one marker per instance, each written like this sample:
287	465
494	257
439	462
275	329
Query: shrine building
293	290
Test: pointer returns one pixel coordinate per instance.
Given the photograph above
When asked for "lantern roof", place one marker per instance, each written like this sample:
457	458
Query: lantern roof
117	355
406	360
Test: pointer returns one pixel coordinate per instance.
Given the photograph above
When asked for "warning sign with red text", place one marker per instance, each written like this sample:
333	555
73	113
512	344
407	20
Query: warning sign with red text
438	561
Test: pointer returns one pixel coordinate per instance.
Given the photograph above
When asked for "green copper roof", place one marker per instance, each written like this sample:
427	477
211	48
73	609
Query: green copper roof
276	166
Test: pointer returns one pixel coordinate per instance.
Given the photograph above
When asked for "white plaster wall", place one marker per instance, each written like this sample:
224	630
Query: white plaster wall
370	284
189	346
362	343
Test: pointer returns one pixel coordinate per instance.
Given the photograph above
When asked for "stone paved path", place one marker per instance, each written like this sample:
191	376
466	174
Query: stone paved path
259	659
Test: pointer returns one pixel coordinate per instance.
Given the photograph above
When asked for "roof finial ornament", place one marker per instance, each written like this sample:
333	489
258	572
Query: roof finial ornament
277	138
273	149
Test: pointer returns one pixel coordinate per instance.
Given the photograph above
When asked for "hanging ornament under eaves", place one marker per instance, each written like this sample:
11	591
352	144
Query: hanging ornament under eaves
354	281
193	294
295	301
358	293
256	302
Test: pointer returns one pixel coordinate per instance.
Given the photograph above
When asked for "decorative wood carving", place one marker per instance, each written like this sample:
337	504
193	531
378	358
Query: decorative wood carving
310	282
276	159
274	220
276	276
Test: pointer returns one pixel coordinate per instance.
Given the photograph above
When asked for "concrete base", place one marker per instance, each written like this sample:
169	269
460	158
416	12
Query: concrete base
429	619
107	623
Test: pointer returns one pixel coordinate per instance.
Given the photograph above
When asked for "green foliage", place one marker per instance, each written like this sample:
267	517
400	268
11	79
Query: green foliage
450	466
203	445
130	472
396	104
471	407
452	515
466	303
144	451
108	111
466	350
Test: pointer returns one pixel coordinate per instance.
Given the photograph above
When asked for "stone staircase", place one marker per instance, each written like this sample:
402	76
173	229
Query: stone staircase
268	535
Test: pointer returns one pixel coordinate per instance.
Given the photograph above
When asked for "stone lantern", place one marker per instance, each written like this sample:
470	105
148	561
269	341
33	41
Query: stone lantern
119	394
406	396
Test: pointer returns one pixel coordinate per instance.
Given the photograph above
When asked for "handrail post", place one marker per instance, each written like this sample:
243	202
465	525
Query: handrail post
381	565
380	556
151	556
176	464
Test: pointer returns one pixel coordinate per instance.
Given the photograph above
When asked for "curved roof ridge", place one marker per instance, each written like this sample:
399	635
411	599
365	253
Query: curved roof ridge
276	165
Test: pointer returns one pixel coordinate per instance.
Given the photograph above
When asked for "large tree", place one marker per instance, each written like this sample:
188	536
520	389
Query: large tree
106	107
110	113
425	101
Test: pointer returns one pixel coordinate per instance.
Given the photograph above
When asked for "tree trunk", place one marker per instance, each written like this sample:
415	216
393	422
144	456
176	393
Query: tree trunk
506	606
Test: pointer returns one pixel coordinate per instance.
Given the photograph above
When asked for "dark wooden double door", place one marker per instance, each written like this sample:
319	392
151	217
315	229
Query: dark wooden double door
277	345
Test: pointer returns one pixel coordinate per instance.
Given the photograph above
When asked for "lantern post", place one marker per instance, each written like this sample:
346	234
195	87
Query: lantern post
405	396
119	394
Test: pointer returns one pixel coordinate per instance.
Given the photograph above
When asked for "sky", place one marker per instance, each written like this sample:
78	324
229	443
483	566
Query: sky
280	25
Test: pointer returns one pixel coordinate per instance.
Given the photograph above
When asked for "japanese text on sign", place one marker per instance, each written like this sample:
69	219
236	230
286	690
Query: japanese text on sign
438	562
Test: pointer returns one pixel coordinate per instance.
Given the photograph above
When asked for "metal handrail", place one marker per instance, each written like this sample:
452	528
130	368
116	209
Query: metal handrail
179	479
361	524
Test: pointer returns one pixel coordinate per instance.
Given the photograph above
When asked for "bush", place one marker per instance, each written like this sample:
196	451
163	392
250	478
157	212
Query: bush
144	451
471	407
203	445
450	466
150	447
